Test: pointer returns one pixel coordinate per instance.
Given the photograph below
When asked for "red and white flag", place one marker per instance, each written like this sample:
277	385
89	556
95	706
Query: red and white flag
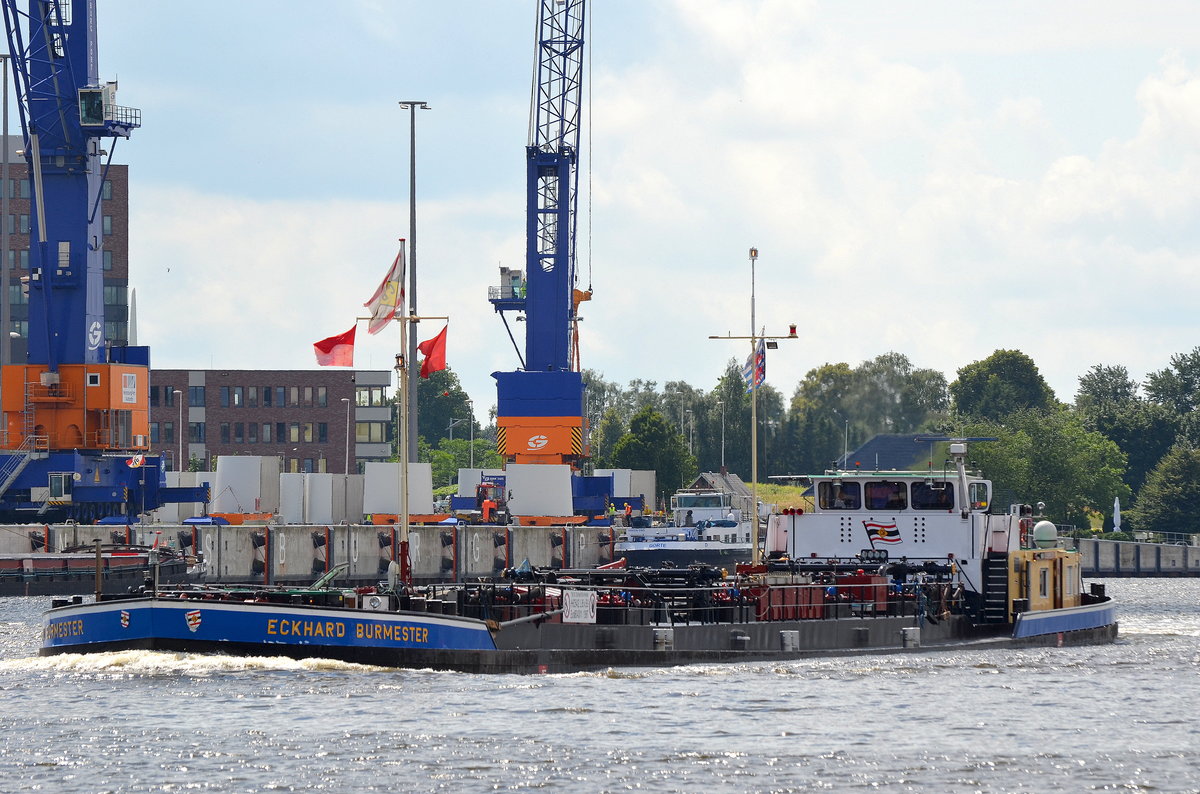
336	351
388	297
434	351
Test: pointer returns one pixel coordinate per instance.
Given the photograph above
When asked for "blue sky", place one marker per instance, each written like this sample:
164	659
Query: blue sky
940	179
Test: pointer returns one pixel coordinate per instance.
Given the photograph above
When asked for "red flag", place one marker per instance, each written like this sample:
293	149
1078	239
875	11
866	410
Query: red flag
435	354
388	297
336	351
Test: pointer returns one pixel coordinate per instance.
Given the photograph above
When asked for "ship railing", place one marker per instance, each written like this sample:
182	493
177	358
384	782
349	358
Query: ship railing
674	606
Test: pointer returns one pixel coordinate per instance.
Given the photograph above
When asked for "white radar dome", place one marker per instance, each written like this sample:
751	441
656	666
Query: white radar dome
1045	535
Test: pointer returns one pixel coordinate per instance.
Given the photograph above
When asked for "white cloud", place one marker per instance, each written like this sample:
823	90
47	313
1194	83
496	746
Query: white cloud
903	197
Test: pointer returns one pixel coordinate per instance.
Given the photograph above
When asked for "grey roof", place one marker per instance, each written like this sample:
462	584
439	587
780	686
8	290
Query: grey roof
725	483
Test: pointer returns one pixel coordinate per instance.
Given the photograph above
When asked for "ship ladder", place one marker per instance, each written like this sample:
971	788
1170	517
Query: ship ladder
995	588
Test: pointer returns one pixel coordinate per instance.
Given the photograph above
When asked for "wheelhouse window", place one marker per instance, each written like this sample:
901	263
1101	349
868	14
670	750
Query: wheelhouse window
932	496
977	492
839	495
887	495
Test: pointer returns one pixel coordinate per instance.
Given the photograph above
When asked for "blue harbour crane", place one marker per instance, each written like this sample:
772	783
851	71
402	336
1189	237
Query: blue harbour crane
75	412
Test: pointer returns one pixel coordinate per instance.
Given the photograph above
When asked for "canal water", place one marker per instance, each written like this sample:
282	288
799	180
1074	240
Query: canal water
1124	717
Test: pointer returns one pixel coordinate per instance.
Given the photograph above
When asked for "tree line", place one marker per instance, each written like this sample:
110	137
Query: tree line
1117	438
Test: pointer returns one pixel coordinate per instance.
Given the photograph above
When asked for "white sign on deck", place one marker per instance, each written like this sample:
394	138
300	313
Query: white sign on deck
579	606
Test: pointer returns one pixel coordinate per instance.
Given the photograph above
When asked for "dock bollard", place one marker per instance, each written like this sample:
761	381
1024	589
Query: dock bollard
910	637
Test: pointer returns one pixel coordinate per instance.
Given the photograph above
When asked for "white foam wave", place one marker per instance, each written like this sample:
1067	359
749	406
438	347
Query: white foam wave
138	663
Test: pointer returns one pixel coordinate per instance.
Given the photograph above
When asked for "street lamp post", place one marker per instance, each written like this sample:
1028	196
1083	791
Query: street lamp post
346	462
691	429
845	439
471	403
413	372
179	399
755	337
721	403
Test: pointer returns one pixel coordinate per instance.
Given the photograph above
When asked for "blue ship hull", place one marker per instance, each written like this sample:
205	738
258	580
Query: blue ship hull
396	639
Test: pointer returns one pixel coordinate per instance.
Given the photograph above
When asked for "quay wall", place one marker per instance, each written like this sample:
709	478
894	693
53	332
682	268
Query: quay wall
1102	558
300	553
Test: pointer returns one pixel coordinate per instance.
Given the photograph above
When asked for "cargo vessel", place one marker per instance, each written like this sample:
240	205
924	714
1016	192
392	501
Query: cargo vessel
883	562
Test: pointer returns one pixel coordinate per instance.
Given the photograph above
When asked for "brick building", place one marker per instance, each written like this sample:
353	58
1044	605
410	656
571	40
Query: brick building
316	420
114	219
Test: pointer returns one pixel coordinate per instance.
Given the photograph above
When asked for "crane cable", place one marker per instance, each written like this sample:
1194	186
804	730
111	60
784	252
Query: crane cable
588	104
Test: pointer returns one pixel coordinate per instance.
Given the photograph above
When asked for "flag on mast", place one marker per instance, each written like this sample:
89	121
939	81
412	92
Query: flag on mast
754	371
388	296
434	351
336	351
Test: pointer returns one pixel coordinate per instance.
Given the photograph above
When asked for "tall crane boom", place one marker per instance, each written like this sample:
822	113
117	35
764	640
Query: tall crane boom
75	412
540	416
552	184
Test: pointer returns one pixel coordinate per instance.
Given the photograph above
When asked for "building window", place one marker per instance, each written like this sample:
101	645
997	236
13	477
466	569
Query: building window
224	396
196	432
107	260
266	432
15	256
115	296
16	293
18	188
370	432
322	432
224	432
322	465
280	402
239	396
168	398
308	465
308	432
294	433
168	432
280	431
1044	582
239	433
106	190
252	436
294	395
251	396
23	224
112	330
106	224
154	438
322	396
153	396
308	395
196	396
266	396
365	396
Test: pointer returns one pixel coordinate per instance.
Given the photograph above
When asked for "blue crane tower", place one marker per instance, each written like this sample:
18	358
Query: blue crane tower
75	413
540	415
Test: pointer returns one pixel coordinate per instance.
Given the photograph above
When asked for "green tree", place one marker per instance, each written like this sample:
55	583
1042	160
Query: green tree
1103	385
1051	457
1178	385
605	437
440	401
1167	502
888	395
1003	383
1109	403
652	444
